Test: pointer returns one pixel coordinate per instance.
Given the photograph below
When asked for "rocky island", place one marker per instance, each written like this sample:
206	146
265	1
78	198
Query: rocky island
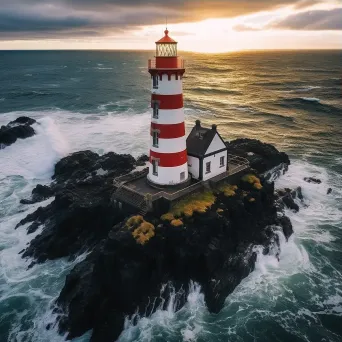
134	262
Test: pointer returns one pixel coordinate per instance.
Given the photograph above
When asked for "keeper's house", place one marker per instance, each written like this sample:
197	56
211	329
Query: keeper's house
207	153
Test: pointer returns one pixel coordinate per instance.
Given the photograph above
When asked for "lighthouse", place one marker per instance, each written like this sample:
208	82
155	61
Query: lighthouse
168	164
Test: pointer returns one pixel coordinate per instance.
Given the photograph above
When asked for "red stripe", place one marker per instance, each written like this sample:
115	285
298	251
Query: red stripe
168	101
170	159
170	131
168	62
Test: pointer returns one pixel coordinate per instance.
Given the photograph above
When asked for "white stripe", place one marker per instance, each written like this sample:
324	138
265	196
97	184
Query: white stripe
169	116
166	87
168	175
169	145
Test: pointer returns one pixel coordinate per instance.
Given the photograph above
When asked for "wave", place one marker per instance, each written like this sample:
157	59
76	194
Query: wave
214	69
311	104
311	99
103	68
2	99
276	116
218	91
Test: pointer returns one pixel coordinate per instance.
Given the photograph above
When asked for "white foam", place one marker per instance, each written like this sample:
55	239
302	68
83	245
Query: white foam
311	99
34	157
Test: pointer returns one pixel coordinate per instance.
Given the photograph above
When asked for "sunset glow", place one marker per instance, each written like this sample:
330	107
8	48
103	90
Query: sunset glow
298	25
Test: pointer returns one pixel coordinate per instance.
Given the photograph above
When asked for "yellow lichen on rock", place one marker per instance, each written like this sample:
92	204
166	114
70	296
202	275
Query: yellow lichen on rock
254	180
198	202
228	189
176	223
251	199
144	232
134	221
167	217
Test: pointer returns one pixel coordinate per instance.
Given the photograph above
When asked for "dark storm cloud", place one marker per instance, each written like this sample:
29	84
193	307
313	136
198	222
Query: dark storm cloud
72	18
318	20
312	20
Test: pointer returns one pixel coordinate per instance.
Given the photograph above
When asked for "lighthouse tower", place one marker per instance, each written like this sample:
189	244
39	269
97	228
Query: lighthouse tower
168	155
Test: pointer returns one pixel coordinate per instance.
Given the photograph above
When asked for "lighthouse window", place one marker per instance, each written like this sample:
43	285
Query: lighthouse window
155	167
155	81
167	50
155	139
155	110
182	176
208	167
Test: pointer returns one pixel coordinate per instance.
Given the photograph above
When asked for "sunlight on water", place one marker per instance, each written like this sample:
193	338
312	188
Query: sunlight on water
281	99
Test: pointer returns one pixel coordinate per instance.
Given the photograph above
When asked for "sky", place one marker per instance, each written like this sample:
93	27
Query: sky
198	25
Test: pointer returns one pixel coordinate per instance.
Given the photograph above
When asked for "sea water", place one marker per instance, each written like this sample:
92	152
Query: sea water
100	101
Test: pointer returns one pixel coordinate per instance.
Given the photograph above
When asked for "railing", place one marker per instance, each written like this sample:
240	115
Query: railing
166	64
118	181
176	194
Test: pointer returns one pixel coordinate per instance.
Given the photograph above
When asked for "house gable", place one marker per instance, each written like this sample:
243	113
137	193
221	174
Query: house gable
216	144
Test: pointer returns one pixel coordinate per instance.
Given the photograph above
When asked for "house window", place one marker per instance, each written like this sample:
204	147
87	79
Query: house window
155	81
208	167
182	176
155	139
221	161
155	167
155	110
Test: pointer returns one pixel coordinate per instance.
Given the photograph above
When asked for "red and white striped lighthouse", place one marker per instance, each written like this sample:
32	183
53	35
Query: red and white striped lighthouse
168	156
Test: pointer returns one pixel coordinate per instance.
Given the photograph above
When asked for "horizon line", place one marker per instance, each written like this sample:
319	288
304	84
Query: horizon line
187	51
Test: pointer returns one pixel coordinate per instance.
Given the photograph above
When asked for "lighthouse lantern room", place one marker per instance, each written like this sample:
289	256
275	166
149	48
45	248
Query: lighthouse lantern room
168	155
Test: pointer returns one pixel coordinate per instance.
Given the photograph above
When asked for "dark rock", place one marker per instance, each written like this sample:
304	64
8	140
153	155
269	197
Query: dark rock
39	193
262	157
312	180
81	213
329	191
121	276
290	203
286	224
17	129
142	160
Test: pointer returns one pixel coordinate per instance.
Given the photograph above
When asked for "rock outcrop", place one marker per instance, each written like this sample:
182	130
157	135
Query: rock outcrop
81	213
17	129
210	240
215	248
261	156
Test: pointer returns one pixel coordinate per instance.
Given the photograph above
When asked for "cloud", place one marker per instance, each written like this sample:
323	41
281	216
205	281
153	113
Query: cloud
245	27
32	18
77	18
311	20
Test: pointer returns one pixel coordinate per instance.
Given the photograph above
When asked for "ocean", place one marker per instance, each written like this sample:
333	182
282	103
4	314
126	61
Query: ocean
99	100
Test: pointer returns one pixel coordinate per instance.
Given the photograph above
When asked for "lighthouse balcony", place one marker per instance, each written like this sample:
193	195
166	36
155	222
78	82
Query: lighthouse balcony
166	63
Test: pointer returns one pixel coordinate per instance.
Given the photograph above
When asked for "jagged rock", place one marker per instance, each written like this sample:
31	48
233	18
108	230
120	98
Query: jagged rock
329	191
121	276
286	224
290	203
39	193
312	180
17	129
81	213
141	161
262	157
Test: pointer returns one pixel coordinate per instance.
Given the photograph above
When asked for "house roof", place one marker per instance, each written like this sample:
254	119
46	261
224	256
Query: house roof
200	139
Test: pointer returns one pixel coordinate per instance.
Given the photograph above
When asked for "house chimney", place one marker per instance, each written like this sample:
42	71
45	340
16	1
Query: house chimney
214	127
198	124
